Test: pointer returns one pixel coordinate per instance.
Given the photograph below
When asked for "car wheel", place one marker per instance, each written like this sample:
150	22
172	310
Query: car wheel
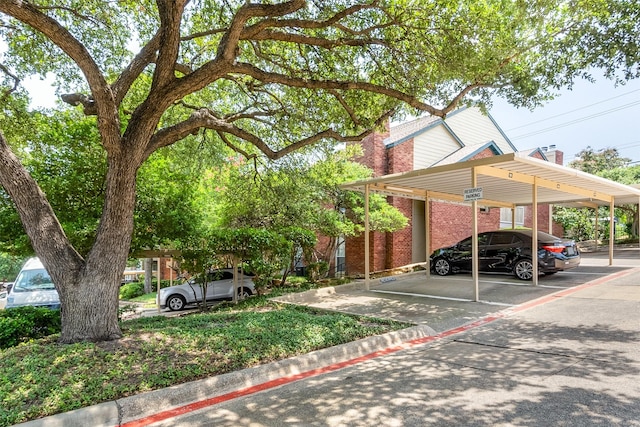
523	269
244	293
442	267
176	302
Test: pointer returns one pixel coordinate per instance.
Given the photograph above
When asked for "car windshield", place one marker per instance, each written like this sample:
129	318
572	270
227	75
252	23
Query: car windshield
33	280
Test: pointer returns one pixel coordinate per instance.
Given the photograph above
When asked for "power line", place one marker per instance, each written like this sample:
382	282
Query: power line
572	111
572	122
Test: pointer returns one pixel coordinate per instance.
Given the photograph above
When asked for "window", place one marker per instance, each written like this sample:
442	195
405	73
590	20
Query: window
501	239
505	217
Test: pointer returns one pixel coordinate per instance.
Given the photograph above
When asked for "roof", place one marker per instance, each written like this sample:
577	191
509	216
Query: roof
467	152
506	181
408	129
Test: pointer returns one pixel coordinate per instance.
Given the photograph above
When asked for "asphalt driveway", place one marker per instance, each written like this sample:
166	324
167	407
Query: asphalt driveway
447	302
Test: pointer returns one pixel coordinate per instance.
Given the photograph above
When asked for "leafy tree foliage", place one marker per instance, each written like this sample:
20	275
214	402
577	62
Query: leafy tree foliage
9	267
305	192
63	153
270	77
596	163
608	164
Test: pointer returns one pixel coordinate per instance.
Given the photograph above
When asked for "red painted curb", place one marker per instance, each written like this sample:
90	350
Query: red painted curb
164	415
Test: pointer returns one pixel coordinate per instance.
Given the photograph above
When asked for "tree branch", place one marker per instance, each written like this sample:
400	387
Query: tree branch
269	77
205	118
170	12
107	111
37	216
87	102
234	147
146	56
16	82
227	49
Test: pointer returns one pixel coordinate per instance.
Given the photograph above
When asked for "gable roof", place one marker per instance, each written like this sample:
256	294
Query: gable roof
468	152
408	130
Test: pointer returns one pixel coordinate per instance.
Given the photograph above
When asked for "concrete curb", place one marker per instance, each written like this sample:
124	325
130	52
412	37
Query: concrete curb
132	408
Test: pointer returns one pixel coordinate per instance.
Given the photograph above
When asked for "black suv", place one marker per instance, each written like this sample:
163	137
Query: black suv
508	251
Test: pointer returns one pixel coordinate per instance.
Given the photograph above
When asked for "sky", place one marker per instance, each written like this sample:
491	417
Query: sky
598	115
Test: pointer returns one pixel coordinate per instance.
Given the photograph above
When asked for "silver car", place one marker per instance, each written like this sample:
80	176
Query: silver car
220	285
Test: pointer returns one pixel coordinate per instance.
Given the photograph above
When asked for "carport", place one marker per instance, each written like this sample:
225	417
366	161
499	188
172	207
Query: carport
505	181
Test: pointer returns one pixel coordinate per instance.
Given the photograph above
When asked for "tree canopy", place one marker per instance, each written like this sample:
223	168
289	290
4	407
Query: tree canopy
269	78
606	163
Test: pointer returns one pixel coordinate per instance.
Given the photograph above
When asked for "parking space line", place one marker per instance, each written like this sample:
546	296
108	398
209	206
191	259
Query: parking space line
503	304
422	295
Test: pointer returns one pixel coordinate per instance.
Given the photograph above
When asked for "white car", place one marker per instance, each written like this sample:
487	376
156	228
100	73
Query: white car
219	286
34	287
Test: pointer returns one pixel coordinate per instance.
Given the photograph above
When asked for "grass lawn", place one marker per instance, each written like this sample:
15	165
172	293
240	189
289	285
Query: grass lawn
41	377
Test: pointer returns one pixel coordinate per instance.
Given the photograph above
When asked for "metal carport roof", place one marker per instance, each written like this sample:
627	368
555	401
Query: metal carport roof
508	180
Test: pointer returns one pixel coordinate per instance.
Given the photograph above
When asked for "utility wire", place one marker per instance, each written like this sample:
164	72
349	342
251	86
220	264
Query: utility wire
572	111
582	119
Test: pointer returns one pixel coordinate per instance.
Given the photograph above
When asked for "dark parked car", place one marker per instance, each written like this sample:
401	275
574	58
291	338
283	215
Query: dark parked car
508	251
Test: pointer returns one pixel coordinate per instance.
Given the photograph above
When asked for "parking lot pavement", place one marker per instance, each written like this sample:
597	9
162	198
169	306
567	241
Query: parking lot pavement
447	302
568	316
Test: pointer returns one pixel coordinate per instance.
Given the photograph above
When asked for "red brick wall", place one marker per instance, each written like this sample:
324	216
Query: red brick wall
543	220
375	157
400	157
487	152
354	253
399	243
374	152
451	222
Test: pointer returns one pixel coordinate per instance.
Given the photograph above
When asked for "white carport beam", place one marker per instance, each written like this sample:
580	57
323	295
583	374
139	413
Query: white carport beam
474	240
427	234
534	233
542	182
612	231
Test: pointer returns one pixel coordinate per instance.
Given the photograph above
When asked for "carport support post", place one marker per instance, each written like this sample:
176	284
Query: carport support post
474	239
612	230
427	234
596	228
534	234
366	237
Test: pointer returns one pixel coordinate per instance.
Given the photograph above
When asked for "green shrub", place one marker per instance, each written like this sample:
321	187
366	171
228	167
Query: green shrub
23	323
131	290
317	270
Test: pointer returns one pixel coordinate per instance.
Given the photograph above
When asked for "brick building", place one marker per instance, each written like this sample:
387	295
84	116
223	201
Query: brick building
466	134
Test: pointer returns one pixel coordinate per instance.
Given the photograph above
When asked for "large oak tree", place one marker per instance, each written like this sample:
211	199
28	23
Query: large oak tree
273	76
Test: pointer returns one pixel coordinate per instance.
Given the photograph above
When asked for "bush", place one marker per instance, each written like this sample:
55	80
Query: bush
131	290
317	270
23	323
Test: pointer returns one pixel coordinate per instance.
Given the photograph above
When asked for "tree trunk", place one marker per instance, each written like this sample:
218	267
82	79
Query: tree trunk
89	303
89	308
148	275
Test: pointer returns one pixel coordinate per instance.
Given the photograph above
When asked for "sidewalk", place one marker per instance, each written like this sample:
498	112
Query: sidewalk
454	317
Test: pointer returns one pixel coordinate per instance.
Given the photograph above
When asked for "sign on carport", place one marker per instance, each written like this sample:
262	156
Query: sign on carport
472	194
